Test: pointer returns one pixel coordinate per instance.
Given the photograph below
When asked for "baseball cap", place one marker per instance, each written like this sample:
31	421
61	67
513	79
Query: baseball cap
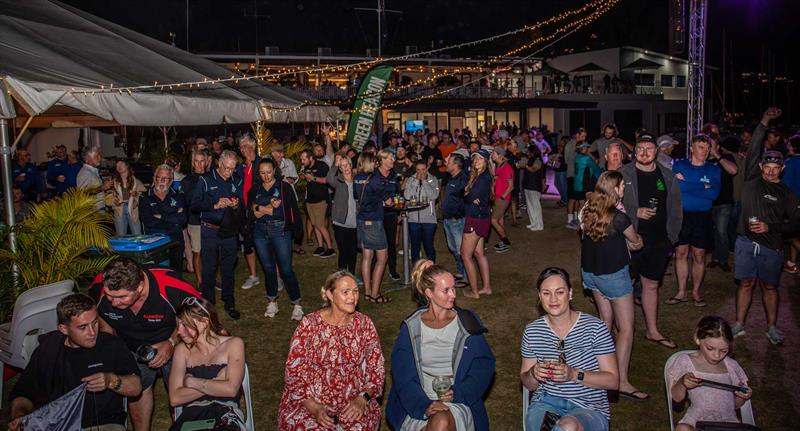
481	153
664	141
500	151
645	137
772	156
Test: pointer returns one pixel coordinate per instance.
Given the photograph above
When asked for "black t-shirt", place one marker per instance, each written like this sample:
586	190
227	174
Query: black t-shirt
316	192
188	185
726	191
611	253
55	369
156	319
533	180
428	152
653	191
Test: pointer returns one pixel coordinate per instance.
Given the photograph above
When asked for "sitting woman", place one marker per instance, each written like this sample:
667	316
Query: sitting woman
334	371
207	369
432	389
568	359
714	338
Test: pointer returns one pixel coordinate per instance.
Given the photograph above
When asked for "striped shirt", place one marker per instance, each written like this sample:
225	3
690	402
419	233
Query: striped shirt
588	339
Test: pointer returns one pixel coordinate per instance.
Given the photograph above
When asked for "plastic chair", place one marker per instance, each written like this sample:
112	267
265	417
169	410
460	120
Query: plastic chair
746	410
34	314
526	401
248	401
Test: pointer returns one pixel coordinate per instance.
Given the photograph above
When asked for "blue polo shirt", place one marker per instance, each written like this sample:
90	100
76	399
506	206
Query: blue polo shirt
55	168
31	184
694	194
262	197
791	174
453	201
209	190
172	209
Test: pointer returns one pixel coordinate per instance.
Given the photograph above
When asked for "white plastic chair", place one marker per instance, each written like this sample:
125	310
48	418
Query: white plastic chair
746	410
248	401
34	314
526	402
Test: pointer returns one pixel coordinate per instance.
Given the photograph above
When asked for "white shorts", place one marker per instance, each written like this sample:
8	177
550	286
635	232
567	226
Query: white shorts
194	237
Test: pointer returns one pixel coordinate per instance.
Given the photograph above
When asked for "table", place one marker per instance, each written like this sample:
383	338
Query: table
403	216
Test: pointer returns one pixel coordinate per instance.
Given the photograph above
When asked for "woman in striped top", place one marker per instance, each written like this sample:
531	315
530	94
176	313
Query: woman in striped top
568	360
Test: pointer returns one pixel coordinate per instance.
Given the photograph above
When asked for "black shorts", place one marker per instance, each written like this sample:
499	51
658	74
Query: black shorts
571	188
246	237
651	261
697	230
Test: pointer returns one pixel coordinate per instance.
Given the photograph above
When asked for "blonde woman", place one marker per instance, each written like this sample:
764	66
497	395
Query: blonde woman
607	235
477	224
125	199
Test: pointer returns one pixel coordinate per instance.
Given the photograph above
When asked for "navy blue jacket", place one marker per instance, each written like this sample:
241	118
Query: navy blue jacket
55	168
371	190
208	192
172	209
453	202
481	191
473	367
31	185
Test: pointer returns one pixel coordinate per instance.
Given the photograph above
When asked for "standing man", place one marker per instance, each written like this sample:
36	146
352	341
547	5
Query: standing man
614	157
217	197
445	148
200	161
453	210
665	146
89	176
138	305
723	205
57	170
601	144
791	177
569	158
26	176
74	354
652	199
766	206
248	172
163	210
432	155
317	197
700	183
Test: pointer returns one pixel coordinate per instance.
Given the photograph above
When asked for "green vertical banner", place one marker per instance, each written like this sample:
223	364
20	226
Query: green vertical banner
367	106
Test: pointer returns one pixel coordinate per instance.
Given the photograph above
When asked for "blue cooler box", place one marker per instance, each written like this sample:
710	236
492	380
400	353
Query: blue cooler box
145	249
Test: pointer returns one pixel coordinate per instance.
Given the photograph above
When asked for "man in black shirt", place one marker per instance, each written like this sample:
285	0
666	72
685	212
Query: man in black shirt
163	210
317	198
138	305
653	202
767	205
453	209
76	353
723	205
200	162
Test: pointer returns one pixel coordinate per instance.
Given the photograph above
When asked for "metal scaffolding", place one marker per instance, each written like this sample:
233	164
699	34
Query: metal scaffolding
698	15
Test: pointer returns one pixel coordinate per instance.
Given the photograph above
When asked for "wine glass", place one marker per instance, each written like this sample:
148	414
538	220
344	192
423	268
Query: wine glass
441	384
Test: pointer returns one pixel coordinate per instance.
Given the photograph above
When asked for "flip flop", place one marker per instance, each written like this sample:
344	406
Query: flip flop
633	395
699	303
663	342
380	299
675	300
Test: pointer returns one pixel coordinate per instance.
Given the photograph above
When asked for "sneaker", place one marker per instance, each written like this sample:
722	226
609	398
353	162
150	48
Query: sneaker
272	310
233	313
737	329
297	312
499	245
318	251
535	229
250	282
502	248
394	276
573	225
400	252
328	253
775	336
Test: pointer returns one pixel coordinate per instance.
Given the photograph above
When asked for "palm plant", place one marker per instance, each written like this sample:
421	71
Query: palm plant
64	238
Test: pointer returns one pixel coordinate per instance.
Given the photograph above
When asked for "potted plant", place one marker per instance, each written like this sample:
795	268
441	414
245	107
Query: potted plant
63	239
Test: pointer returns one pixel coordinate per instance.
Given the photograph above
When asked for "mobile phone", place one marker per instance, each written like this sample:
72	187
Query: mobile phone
207	424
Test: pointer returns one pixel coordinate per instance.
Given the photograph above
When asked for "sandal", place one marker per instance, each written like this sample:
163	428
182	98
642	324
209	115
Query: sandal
635	395
380	299
699	303
370	298
664	342
790	269
299	251
675	300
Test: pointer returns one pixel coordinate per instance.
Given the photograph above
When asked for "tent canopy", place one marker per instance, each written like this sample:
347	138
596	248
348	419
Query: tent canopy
643	63
54	58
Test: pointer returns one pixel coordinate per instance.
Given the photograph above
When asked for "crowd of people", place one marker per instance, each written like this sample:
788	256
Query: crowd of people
633	205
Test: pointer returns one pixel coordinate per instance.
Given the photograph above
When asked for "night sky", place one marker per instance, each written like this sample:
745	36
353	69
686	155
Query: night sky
754	29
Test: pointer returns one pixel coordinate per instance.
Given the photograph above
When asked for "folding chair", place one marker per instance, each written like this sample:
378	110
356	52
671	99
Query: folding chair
248	401
34	314
746	410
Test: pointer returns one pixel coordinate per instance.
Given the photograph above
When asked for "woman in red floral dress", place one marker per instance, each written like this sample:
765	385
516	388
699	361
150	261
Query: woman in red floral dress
334	371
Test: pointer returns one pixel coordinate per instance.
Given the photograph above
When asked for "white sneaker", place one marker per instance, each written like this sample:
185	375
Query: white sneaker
297	312
250	282
272	310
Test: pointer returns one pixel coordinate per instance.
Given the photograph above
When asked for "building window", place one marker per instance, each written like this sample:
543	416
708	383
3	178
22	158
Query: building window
666	80
680	81
644	79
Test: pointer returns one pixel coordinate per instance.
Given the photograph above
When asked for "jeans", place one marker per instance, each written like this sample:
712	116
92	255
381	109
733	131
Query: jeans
222	252
589	419
274	247
721	215
561	185
422	233
347	242
733	225
454	232
123	221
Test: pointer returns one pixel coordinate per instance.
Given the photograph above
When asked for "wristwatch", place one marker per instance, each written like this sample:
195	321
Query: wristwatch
579	378
366	395
118	384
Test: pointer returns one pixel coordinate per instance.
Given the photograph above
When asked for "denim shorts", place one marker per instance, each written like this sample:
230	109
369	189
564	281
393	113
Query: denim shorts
612	286
149	375
752	261
589	419
371	235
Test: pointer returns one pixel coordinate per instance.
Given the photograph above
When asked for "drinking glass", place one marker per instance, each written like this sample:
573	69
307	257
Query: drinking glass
441	384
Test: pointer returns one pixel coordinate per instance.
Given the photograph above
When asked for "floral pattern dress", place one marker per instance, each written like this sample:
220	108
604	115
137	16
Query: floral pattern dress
332	365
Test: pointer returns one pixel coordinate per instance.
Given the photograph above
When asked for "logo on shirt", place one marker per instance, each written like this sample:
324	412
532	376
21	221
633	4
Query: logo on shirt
213	187
153	317
112	315
172	202
90	366
705	180
769	197
660	186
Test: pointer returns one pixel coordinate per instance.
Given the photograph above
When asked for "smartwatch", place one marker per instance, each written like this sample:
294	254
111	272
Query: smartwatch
580	376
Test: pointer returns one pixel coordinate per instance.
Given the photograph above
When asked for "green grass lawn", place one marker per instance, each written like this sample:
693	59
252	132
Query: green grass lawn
772	370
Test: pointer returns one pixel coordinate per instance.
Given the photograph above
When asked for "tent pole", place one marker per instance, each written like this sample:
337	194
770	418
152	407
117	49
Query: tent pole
8	193
21	132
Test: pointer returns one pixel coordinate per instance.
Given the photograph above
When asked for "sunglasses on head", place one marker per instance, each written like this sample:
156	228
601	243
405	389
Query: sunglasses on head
192	300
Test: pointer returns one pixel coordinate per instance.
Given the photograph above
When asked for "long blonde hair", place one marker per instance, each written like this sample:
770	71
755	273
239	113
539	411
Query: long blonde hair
474	174
366	163
599	209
